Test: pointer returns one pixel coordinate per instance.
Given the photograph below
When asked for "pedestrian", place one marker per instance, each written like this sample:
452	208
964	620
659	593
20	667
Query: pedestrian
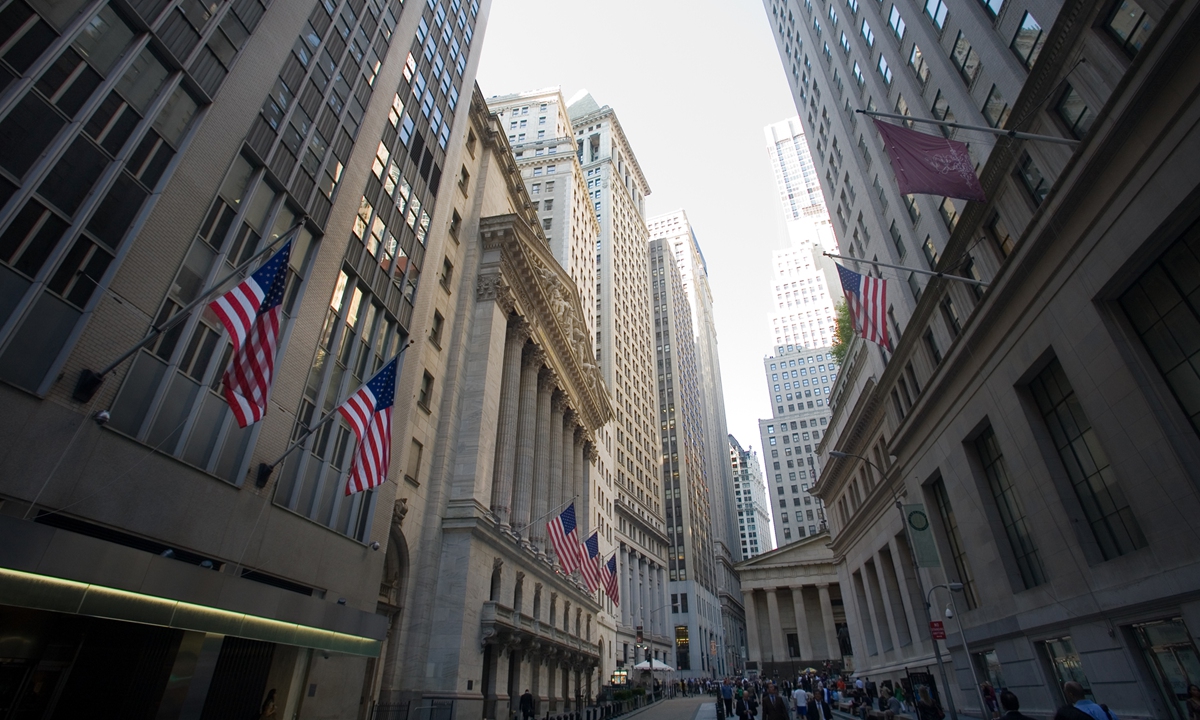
1012	706
800	701
901	698
989	699
1078	707
727	696
526	705
889	705
1193	702
742	706
927	709
268	706
774	707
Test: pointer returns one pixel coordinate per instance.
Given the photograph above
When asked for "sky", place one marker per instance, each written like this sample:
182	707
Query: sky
693	83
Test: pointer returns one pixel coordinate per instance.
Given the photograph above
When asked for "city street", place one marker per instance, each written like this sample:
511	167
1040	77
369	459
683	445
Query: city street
684	708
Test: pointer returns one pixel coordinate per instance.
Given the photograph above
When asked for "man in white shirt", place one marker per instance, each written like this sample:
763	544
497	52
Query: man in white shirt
800	701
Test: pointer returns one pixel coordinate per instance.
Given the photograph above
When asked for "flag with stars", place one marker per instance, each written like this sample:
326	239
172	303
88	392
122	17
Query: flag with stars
866	297
369	413
590	567
565	540
250	312
611	586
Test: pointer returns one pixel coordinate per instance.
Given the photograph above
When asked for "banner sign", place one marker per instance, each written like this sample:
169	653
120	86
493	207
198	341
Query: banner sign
921	536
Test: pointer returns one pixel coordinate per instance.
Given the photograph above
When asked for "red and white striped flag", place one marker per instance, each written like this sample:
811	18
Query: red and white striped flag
590	568
866	297
250	312
369	412
566	542
611	586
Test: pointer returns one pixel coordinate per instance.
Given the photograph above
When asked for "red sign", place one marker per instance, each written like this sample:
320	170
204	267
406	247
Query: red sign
936	630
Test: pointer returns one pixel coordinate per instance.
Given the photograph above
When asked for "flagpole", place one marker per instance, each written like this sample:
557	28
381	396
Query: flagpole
265	469
981	128
90	380
561	506
919	271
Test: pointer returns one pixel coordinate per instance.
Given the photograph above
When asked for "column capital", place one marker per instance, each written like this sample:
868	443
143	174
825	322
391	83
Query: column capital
592	453
491	286
559	403
534	357
519	329
547	379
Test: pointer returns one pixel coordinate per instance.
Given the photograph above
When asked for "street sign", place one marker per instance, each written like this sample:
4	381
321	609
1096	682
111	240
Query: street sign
936	630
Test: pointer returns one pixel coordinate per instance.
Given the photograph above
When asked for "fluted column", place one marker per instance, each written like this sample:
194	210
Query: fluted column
643	584
541	461
567	452
831	638
506	431
753	651
623	577
575	488
906	595
778	649
554	494
802	632
526	429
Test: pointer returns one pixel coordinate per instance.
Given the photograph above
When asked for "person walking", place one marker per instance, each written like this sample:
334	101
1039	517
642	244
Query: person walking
1012	706
526	705
1078	707
901	697
1193	702
800	701
774	707
727	696
927	709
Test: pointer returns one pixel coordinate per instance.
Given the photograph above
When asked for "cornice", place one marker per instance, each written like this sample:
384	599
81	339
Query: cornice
619	133
547	298
628	511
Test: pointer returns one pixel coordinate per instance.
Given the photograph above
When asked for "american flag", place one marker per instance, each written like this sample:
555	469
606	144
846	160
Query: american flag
566	542
611	586
590	568
866	297
250	312
369	412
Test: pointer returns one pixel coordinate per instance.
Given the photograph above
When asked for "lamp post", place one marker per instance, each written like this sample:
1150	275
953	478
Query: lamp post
937	652
958	587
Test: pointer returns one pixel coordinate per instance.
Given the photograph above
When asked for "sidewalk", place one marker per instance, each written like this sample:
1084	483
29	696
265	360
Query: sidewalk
699	707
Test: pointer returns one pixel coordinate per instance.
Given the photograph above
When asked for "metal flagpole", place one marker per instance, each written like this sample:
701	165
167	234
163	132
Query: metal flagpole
90	380
561	506
981	128
919	271
265	469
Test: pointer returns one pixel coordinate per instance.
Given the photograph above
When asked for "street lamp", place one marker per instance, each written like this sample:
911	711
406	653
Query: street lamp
956	587
937	652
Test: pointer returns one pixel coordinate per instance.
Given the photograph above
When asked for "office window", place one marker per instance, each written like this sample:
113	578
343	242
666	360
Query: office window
948	212
867	34
965	59
936	12
858	76
884	71
897	240
914	212
1103	502
1011	510
425	394
954	540
435	329
941	111
1000	235
1130	25
1075	113
1031	177
1028	41
914	286
1164	307
916	61
950	314
931	253
995	109
931	343
896	23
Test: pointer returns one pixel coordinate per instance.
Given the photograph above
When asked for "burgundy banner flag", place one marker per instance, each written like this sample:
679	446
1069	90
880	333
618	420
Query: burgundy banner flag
930	164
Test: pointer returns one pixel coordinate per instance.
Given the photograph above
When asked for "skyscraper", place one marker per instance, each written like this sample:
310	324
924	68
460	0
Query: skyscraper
753	507
147	151
629	460
679	238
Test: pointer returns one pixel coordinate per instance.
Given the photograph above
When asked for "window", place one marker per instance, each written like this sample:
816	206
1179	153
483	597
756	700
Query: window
914	286
1033	180
931	253
412	472
464	179
897	240
845	42
1103	502
941	111
950	314
858	76
896	23
447	273
1028	41
916	61
992	6
867	34
425	394
914	212
435	329
1011	510
948	213
1075	113
455	224
965	59
1162	306
954	540
1130	25
995	110
1000	235
931	343
936	10
884	71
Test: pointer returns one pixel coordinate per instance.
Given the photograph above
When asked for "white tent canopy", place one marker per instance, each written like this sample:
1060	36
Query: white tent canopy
654	665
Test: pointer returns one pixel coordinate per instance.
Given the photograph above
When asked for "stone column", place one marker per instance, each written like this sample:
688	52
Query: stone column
778	648
643	592
527	426
506	430
499	678
541	462
585	457
753	652
551	679
623	577
886	598
554	496
831	638
802	631
568	456
915	629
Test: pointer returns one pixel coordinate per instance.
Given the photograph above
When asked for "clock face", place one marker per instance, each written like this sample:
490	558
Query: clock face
918	521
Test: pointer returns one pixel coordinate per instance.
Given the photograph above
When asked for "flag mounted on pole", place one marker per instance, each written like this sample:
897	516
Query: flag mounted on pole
566	543
930	164
866	297
611	586
369	412
590	568
250	312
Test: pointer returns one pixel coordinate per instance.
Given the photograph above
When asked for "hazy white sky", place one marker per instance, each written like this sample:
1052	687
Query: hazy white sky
693	82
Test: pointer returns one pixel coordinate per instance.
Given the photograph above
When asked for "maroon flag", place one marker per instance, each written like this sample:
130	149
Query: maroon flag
930	164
